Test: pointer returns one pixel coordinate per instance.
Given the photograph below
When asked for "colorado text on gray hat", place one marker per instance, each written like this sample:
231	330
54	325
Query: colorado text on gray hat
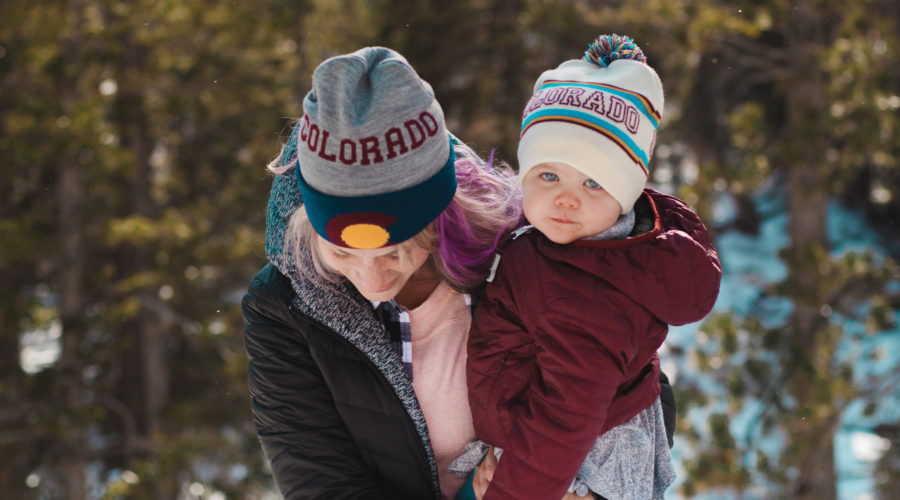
394	142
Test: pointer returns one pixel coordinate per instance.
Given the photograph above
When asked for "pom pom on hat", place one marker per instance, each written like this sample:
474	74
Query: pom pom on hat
598	114
608	48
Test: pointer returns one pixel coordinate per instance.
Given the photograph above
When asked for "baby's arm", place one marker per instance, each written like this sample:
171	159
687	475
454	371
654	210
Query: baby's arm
565	408
497	338
541	377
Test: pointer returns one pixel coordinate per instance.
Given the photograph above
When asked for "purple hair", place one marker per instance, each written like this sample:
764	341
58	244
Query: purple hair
486	207
461	241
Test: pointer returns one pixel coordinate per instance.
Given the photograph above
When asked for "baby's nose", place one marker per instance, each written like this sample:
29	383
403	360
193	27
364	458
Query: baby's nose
567	200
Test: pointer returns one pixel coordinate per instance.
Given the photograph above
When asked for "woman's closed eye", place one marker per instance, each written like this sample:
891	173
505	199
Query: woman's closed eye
337	254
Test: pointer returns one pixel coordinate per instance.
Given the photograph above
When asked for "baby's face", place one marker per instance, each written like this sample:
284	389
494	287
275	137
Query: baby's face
564	204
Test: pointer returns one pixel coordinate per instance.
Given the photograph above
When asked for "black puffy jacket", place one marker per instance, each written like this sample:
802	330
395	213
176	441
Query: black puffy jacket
333	413
329	419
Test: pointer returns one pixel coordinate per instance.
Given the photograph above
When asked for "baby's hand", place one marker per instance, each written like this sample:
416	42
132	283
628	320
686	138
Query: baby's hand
484	473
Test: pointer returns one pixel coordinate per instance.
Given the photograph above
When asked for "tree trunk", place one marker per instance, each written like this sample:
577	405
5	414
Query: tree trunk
71	273
811	432
151	337
509	104
70	193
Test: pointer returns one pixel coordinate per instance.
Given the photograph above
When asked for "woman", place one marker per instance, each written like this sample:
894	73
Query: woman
356	331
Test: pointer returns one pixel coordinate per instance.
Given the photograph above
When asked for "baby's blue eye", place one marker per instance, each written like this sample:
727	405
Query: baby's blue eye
549	176
591	183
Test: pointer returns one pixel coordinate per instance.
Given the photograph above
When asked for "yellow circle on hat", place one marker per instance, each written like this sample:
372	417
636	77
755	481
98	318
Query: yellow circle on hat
365	236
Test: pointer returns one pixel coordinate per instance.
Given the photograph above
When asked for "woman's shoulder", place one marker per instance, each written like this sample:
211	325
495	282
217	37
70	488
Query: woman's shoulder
269	295
270	283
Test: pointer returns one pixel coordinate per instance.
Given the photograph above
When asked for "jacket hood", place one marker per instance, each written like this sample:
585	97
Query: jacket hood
672	270
284	199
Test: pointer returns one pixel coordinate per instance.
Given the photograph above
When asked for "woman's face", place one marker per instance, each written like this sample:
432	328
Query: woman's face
379	274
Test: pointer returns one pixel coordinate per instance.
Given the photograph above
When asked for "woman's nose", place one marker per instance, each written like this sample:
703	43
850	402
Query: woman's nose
371	272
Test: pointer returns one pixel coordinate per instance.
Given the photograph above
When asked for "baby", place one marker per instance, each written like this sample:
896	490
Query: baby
563	371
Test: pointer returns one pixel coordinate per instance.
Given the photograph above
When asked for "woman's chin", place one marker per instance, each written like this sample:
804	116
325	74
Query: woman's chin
380	295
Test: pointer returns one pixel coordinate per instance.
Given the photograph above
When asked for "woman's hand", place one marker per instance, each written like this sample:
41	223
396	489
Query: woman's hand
484	473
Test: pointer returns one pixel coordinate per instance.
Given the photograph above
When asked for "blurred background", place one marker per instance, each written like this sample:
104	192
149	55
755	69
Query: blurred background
134	137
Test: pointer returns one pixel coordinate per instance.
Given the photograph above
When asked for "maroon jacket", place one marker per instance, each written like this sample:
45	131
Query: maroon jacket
563	344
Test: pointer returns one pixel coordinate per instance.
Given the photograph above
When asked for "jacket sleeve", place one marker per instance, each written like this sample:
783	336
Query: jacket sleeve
548	434
311	453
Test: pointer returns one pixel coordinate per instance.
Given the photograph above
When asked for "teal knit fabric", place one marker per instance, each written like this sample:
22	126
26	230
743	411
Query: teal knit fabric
284	198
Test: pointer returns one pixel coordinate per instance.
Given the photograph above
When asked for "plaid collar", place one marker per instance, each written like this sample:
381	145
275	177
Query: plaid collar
396	327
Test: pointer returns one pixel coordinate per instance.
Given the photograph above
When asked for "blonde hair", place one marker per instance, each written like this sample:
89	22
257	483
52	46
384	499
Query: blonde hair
301	246
461	241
